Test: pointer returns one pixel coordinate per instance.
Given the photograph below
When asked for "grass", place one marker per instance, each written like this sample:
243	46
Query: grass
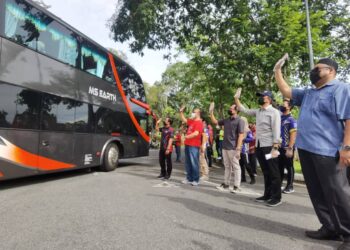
297	167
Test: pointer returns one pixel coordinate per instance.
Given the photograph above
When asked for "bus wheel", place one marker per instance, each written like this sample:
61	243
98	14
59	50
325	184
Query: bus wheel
110	158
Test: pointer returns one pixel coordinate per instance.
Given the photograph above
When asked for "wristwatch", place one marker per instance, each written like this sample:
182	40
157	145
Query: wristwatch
345	147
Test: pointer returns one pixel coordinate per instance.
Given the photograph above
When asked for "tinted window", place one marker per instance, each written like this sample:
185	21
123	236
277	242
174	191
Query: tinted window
131	82
30	27
93	60
57	113
19	108
108	121
84	118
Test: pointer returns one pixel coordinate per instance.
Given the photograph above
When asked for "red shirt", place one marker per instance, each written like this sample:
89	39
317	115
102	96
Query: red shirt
192	127
178	139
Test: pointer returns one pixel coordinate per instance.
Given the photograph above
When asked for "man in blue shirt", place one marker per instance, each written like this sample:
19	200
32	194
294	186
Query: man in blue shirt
288	135
323	142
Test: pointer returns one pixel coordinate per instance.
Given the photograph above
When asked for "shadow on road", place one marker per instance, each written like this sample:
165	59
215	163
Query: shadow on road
243	220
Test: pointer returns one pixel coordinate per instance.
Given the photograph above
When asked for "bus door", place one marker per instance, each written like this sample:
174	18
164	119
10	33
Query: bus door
56	141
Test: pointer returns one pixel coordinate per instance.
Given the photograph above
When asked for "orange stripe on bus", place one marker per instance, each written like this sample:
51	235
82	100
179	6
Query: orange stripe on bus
1	174
122	93
17	155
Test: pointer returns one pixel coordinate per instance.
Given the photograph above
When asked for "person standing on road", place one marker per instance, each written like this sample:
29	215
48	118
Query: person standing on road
231	146
251	153
244	160
288	134
268	133
323	143
193	142
166	148
203	162
178	141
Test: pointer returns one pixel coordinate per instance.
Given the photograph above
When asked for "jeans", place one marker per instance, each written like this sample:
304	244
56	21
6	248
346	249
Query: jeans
192	163
178	153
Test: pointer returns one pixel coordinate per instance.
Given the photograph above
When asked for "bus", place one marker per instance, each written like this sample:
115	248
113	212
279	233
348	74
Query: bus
65	101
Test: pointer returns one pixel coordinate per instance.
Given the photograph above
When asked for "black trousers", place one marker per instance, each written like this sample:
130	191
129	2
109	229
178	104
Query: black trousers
165	163
329	191
252	162
272	176
210	155
244	164
286	163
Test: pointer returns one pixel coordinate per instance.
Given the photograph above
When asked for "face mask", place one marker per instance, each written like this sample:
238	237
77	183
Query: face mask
314	76
193	115
229	112
283	109
261	100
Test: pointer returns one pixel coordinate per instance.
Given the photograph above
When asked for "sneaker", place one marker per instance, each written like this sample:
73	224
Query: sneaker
288	190
194	183
235	190
223	187
262	199
273	203
255	175
160	176
244	180
185	182
204	178
167	177
252	181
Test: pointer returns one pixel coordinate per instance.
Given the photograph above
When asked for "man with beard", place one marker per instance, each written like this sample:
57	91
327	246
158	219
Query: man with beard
323	143
231	146
166	148
268	133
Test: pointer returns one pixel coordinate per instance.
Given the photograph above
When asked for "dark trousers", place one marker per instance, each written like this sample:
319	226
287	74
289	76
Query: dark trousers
244	163
252	162
165	163
286	163
178	153
209	155
272	176
329	191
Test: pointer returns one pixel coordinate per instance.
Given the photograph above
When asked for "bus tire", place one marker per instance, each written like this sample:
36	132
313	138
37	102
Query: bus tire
110	158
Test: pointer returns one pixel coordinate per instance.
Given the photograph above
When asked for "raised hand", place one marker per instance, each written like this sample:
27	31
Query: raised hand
280	62
211	107
182	108
238	93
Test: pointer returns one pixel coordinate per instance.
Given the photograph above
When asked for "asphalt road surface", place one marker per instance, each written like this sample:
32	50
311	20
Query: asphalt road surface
130	209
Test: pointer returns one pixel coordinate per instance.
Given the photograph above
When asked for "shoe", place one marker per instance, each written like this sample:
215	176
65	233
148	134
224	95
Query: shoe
262	199
255	175
323	234
288	190
344	246
167	177
204	178
160	176
235	190
252	181
273	203
244	180
185	181
223	187
194	183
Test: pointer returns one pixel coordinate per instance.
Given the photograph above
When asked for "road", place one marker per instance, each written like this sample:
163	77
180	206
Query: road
130	209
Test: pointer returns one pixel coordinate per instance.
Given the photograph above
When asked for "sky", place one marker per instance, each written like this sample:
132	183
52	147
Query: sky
90	17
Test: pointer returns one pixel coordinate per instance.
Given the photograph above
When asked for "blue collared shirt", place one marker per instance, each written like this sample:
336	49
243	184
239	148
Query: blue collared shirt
322	116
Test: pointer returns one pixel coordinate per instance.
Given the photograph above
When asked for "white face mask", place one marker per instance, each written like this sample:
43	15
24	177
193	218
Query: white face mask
193	115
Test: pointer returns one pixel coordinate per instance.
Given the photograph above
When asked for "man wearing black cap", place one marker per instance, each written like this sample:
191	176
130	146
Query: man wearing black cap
323	142
268	131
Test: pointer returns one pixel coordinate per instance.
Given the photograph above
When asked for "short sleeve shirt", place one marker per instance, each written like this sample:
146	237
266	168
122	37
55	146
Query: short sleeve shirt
322	115
232	127
167	134
192	126
288	125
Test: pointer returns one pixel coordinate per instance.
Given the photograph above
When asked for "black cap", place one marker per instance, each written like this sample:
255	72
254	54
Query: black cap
265	93
329	62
